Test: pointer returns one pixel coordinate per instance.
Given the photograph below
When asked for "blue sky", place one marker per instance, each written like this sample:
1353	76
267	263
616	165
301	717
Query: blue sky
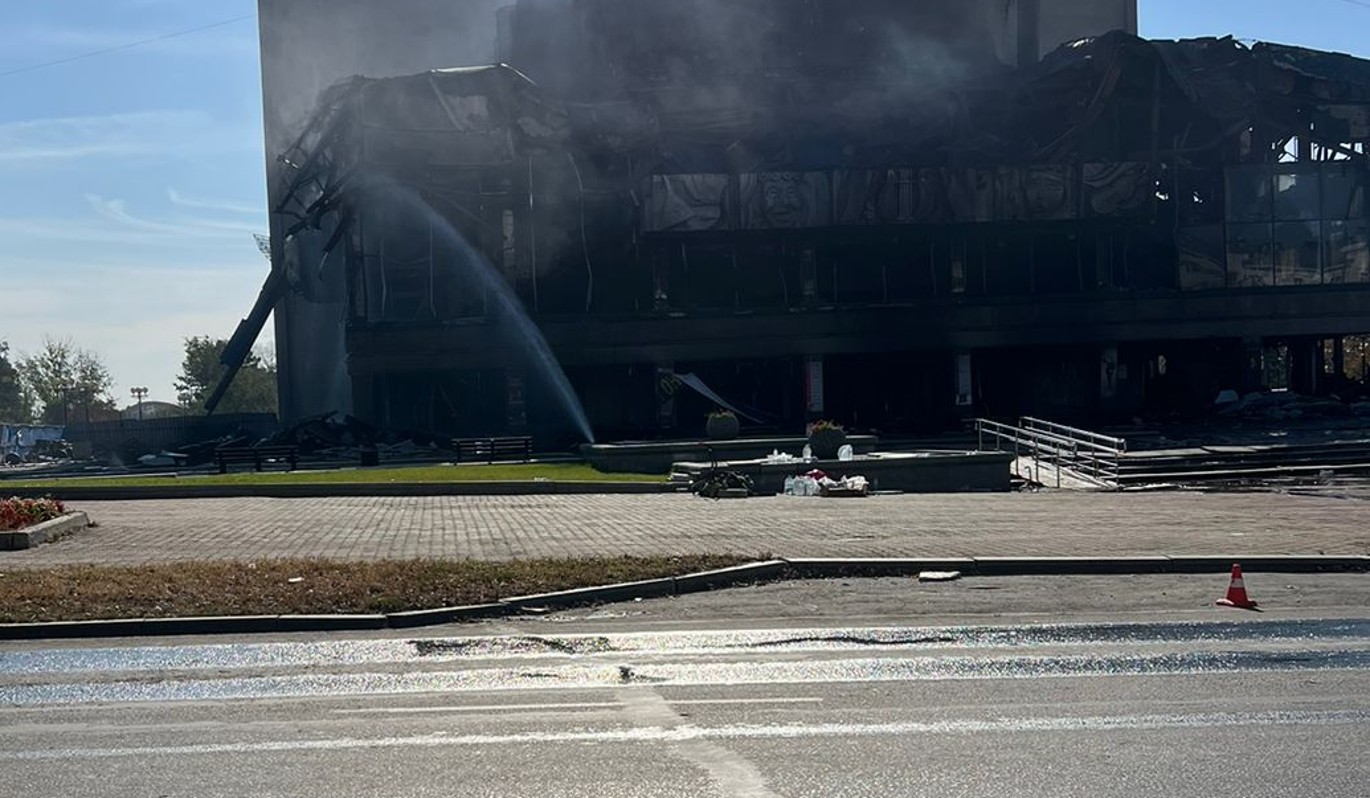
131	182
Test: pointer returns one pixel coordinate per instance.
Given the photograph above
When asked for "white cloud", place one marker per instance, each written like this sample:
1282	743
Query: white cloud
141	133
136	135
115	211
226	206
47	232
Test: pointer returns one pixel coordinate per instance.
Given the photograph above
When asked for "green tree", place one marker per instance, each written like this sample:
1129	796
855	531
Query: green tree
68	383
253	389
16	405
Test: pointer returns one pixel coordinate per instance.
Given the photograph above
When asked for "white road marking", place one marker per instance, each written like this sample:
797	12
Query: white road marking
687	733
731	773
554	707
482	708
697	701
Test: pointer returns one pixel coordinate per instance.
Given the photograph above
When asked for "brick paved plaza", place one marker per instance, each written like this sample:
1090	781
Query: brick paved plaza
507	527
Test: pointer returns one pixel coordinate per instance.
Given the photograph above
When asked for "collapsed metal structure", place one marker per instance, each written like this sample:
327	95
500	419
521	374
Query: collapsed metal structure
892	236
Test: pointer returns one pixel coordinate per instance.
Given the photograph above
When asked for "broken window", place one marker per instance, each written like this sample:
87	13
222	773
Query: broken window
405	268
1202	259
1343	191
1250	260
1248	194
1297	192
1200	196
1296	253
1347	244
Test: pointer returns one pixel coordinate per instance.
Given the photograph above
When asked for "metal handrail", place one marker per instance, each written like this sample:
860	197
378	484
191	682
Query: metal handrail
1107	442
1058	446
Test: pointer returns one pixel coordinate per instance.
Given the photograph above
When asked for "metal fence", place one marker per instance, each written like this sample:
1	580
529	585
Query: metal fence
158	434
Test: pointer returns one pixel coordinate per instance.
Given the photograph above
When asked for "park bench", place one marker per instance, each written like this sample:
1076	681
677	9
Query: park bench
488	450
258	456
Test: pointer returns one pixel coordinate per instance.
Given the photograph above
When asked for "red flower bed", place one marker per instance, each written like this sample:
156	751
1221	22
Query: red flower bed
19	513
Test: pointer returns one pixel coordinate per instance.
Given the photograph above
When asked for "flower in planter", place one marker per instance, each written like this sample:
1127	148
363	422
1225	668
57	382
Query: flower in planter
824	424
16	513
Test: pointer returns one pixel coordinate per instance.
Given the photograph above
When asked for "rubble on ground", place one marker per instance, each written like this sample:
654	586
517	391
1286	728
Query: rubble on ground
341	436
1279	405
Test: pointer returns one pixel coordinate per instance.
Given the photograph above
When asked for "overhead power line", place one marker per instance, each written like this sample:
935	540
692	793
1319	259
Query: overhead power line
122	47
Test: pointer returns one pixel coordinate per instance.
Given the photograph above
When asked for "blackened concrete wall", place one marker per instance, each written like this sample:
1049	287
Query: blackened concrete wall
309	45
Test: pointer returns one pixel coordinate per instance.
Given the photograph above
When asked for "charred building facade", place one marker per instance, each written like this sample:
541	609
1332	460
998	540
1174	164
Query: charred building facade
894	214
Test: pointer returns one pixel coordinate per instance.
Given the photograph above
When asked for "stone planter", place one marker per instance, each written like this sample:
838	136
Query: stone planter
722	427
825	442
31	536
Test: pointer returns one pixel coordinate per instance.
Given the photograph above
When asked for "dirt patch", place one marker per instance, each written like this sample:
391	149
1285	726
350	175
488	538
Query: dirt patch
307	587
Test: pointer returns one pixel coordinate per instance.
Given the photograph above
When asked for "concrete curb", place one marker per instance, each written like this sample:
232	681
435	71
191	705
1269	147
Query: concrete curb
29	537
1078	566
1068	566
753	573
819	568
343	490
473	612
626	591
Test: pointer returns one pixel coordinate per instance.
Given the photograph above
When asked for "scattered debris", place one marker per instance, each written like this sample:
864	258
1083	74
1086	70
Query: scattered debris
1279	405
343	436
164	459
27	443
716	484
818	483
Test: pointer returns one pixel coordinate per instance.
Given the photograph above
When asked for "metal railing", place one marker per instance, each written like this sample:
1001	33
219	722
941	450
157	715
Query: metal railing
1035	443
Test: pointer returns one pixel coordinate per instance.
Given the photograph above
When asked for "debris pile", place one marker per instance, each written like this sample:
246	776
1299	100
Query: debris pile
818	483
26	443
337	435
716	484
1286	405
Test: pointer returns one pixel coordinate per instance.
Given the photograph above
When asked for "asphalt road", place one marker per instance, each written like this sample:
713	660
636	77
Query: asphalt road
1234	706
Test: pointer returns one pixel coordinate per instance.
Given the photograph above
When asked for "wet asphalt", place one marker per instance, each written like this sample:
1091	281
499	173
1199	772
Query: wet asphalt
1236	705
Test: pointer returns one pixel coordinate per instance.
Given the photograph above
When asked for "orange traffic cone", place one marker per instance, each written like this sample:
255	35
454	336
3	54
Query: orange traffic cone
1236	592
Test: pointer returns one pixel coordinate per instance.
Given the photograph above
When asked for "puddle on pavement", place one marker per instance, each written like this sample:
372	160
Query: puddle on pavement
589	676
227	657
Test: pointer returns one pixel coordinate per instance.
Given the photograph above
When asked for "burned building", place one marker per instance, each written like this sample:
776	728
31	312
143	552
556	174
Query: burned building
892	214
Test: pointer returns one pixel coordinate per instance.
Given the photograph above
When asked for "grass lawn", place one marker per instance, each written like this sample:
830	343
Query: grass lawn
307	587
500	472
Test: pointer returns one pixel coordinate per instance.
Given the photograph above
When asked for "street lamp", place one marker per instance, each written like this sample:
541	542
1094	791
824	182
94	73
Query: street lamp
138	394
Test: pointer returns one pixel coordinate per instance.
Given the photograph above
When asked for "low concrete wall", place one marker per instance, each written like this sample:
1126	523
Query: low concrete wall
933	472
329	490
657	457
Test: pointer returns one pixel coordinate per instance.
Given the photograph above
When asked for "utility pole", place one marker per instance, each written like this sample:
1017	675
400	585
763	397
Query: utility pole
138	394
